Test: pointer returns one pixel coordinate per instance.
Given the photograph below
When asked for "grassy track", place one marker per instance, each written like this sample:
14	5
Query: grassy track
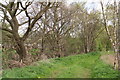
78	66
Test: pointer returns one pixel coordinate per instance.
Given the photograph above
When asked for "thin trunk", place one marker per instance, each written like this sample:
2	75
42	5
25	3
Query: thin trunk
118	55
85	48
119	59
58	48
42	45
109	35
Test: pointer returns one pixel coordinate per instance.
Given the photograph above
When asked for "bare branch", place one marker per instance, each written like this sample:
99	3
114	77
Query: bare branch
5	29
2	5
36	18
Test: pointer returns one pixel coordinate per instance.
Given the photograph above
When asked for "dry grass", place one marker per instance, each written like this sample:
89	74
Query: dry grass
109	59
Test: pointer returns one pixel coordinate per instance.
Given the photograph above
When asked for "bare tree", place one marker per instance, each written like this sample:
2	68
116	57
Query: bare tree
112	31
55	27
87	27
11	11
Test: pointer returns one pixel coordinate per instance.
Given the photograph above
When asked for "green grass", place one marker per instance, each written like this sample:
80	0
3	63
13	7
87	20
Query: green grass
78	66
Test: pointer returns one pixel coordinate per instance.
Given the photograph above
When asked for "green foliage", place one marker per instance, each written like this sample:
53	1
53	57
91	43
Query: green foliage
6	56
103	43
102	70
78	66
34	51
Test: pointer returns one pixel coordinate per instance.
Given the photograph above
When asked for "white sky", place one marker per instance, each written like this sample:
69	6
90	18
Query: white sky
92	3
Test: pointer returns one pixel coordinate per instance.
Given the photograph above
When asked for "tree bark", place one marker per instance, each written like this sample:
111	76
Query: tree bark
85	48
118	60
42	45
118	54
20	48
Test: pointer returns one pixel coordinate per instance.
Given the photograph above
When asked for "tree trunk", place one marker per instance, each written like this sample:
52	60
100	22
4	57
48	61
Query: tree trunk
115	43
20	49
118	54
42	45
118	57
85	49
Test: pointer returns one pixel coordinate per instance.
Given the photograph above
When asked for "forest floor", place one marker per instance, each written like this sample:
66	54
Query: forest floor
91	65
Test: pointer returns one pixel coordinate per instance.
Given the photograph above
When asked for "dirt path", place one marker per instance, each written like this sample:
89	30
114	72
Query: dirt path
71	72
108	58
